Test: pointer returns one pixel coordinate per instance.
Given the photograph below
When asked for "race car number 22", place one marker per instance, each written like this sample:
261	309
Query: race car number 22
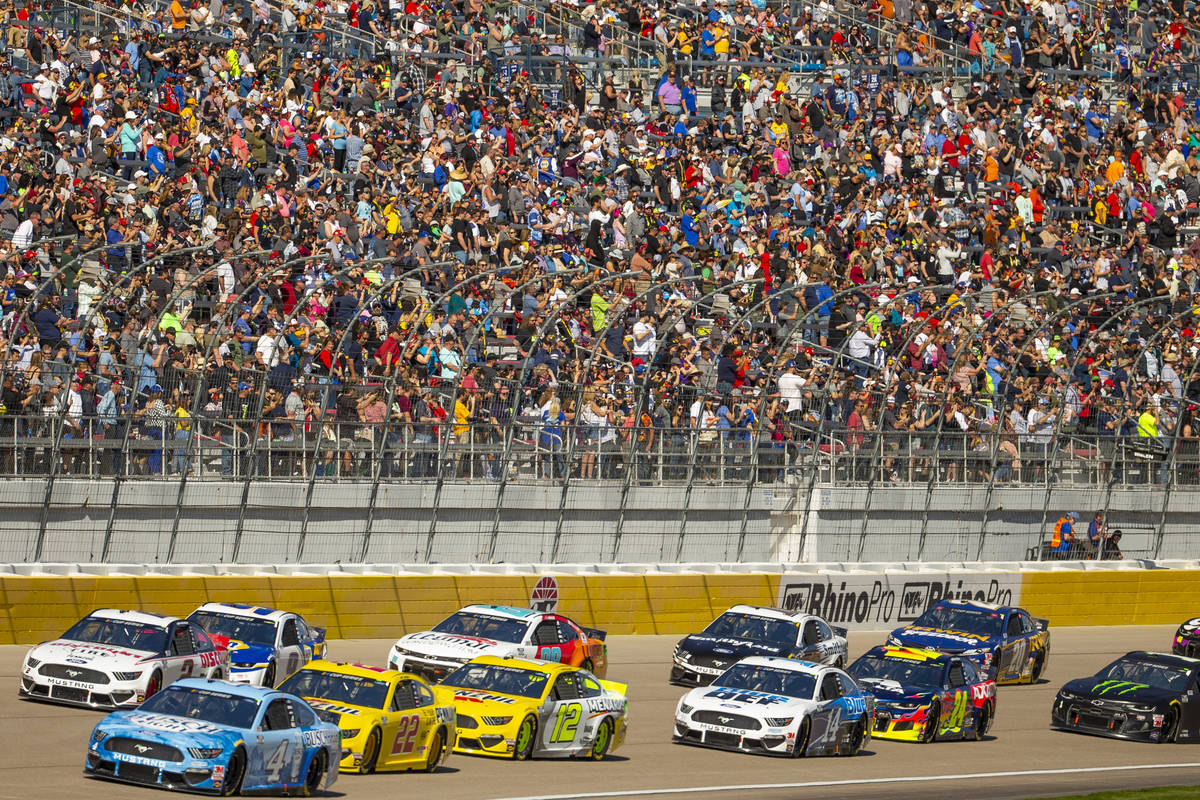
406	735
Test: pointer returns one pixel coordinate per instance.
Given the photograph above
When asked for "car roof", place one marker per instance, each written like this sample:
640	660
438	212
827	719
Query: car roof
531	664
909	653
976	605
790	664
767	612
1169	659
358	670
228	687
139	617
244	610
507	612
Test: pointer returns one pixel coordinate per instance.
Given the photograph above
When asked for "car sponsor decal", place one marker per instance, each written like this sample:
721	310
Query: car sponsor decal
868	602
983	691
149	762
333	707
1118	687
322	737
604	704
942	633
472	642
746	696
481	697
69	684
162	722
445	714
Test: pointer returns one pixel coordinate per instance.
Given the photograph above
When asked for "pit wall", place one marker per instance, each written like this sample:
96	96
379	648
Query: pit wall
39	607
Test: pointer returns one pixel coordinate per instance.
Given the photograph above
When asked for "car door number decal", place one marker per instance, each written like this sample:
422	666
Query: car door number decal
276	762
551	654
1019	649
958	712
188	666
567	723
406	735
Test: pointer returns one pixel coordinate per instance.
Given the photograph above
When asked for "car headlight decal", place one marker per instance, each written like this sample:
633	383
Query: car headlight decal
496	720
684	708
127	676
205	752
778	722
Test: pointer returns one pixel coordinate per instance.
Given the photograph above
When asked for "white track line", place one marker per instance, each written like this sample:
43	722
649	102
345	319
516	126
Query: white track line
856	782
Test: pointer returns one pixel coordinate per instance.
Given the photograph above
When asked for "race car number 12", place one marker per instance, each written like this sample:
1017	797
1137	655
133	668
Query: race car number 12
567	722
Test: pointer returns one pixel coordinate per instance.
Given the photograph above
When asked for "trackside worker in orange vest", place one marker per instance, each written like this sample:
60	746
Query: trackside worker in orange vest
1064	536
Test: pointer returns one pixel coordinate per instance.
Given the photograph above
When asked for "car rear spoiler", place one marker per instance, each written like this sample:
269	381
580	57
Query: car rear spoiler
839	631
594	633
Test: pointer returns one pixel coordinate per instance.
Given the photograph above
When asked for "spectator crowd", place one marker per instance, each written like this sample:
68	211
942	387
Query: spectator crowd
422	222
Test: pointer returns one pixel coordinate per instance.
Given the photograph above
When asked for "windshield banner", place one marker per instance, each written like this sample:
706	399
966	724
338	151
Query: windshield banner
886	600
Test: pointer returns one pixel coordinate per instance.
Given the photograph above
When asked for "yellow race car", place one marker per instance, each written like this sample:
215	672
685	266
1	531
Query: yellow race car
521	708
390	721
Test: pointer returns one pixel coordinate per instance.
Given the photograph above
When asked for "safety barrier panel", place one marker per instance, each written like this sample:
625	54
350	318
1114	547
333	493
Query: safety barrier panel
36	608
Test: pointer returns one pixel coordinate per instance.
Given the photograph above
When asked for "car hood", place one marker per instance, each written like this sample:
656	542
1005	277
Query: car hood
89	654
887	691
756	704
167	728
702	644
943	640
1119	691
449	645
476	702
242	653
342	714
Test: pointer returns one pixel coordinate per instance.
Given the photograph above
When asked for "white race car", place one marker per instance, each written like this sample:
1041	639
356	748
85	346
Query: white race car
116	659
265	645
778	706
501	631
745	631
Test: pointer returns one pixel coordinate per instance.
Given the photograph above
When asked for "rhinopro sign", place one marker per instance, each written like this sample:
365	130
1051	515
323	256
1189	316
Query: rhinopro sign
888	600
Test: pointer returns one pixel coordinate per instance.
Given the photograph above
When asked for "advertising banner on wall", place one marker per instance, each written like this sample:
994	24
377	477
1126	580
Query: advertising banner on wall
883	601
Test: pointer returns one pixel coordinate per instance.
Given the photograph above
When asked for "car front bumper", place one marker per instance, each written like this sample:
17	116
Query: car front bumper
900	726
190	775
685	674
431	669
771	742
115	694
1082	717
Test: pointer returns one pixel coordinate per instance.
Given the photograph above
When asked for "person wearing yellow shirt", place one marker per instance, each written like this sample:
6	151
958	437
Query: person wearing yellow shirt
179	17
183	431
1115	170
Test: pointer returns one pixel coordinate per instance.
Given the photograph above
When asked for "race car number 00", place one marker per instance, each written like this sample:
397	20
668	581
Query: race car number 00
568	721
406	735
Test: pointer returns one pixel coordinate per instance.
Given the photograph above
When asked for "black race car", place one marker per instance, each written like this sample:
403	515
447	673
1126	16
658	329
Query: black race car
1150	697
1187	639
745	631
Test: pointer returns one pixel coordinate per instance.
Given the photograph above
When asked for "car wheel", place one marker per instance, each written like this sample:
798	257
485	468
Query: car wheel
1036	674
929	732
802	738
269	676
602	741
216	675
153	685
840	663
435	752
983	721
588	665
371	751
526	735
234	772
857	737
315	774
1171	727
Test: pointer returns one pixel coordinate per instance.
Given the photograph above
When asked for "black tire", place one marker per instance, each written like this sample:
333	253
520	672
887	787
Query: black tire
857	737
603	740
588	665
234	773
371	751
216	675
436	744
1036	674
315	774
1171	728
269	676
983	721
929	734
526	737
840	663
802	738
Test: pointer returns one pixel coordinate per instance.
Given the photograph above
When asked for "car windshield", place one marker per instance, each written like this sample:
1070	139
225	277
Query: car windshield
117	633
352	689
1132	673
499	679
733	625
219	708
898	670
770	680
482	626
979	621
243	629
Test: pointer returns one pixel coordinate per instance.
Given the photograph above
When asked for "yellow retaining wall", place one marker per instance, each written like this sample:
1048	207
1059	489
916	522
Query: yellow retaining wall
359	607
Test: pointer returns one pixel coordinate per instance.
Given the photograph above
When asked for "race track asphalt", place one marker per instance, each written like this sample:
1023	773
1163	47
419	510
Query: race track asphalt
42	746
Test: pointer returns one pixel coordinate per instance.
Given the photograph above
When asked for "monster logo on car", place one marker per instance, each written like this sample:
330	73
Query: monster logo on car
1118	687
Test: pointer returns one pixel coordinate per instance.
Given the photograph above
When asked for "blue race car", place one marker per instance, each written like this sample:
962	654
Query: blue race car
218	737
265	645
1007	644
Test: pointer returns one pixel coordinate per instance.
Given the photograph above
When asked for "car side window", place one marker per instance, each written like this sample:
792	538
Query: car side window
957	677
278	716
304	716
823	630
1014	625
1030	625
301	630
200	640
565	688
546	633
289	635
847	684
181	642
422	695
565	632
404	699
810	636
829	687
970	674
589	687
